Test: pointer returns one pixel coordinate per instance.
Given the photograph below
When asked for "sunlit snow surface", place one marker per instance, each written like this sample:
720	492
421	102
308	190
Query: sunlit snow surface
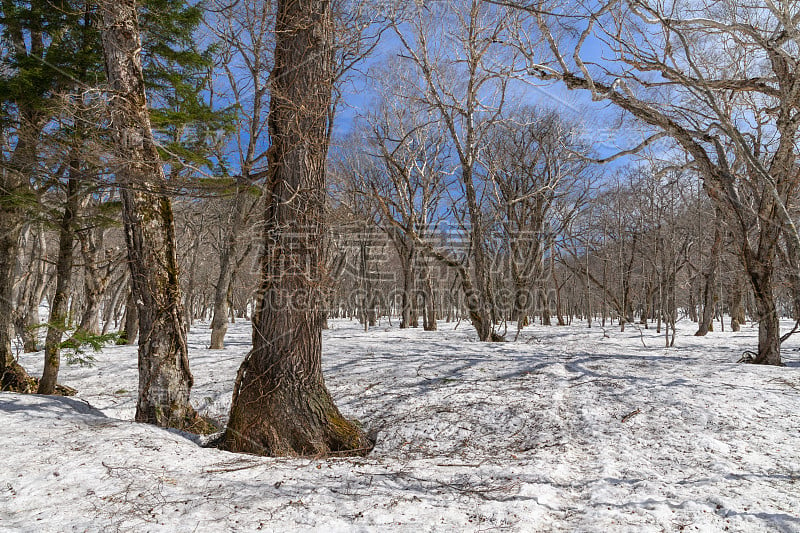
533	435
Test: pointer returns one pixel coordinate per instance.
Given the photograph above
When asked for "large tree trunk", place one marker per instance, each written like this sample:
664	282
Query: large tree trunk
526	261
59	306
769	332
522	304
280	403
164	376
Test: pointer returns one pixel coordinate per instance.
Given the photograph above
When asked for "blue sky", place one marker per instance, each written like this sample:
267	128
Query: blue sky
600	120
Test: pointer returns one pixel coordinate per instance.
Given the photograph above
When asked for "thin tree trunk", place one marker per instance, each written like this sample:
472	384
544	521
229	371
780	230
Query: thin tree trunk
793	258
545	305
407	262
219	321
736	307
559	311
29	300
280	403
693	316
366	288
710	281
95	282
57	323
429	323
131	321
110	306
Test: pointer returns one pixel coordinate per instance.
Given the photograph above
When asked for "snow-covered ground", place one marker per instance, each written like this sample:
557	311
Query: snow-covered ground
564	430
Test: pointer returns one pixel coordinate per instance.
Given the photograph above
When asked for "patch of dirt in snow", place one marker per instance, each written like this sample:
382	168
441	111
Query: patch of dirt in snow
567	429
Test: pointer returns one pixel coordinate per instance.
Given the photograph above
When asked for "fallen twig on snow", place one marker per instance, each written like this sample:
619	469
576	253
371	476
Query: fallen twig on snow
587	382
630	415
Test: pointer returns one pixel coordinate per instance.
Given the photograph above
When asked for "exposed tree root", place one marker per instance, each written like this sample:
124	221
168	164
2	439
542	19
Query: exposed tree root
295	424
16	379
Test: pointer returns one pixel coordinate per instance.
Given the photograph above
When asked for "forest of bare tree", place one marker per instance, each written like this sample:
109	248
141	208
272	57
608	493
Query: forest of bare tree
622	164
390	265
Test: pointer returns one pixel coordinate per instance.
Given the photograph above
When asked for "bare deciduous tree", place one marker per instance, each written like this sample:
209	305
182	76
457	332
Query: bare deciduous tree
539	179
464	73
721	80
280	403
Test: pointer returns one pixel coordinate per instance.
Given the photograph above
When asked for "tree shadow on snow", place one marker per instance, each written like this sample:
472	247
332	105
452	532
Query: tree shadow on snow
63	405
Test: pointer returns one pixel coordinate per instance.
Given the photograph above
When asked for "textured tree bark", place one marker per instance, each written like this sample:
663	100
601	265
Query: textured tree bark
522	304
280	403
12	376
111	308
95	279
524	274
219	322
769	333
59	306
164	376
15	196
478	299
